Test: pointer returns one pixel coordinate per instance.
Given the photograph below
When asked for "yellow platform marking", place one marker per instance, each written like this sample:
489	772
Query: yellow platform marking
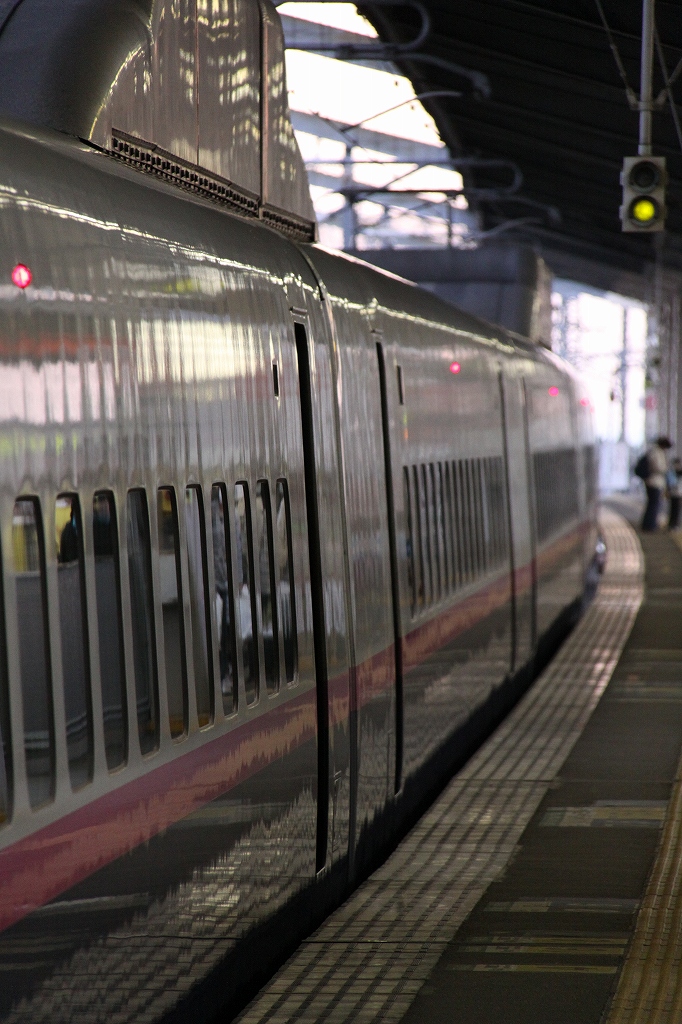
650	986
536	968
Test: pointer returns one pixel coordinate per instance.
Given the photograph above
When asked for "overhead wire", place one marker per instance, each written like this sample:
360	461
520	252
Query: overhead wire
629	91
668	86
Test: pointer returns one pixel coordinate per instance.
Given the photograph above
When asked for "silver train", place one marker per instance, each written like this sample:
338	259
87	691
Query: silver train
282	537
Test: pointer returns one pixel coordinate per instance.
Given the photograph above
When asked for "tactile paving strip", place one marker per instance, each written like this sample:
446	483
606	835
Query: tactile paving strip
369	959
650	986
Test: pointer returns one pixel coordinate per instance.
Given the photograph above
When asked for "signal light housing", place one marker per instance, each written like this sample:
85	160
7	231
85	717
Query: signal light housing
644	179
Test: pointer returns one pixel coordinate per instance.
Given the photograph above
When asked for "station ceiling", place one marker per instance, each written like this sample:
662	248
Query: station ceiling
558	109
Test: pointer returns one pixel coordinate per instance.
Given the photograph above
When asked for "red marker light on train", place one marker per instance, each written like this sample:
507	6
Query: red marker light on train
553	391
584	401
455	367
21	276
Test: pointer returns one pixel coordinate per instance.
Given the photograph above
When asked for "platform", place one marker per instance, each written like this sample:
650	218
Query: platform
543	885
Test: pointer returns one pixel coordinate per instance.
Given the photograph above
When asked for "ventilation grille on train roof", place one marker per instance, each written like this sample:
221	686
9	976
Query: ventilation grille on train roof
149	158
164	165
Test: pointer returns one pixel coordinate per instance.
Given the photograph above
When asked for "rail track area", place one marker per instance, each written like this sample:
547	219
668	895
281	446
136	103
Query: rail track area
544	884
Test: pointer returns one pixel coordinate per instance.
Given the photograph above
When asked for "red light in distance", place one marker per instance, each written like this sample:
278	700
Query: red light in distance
584	401
553	391
21	276
455	367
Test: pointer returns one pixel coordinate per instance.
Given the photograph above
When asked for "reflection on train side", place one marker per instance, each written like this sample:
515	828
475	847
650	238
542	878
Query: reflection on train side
206	635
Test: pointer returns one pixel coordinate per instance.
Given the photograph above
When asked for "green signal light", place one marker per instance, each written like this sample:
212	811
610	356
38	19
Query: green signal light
644	211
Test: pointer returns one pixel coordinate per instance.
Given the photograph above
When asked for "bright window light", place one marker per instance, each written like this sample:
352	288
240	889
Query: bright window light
343	16
351	93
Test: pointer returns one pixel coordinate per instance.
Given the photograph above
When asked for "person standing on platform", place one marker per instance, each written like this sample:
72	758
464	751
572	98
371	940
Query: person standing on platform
675	494
655	481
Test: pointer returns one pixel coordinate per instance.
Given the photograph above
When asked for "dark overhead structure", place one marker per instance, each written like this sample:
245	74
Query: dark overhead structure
557	107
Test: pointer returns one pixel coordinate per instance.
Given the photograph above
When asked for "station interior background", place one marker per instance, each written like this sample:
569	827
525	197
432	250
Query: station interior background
366	140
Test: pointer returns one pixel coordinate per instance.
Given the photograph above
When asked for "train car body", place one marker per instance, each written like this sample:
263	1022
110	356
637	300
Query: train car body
282	536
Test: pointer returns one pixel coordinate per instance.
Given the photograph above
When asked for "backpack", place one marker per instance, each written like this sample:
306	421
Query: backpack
642	466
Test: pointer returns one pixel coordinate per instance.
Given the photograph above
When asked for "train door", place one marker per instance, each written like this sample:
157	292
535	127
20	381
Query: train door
522	522
316	593
395	592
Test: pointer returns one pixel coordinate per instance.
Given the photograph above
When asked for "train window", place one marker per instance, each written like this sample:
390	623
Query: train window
275	379
493	517
6	772
74	636
443	531
409	539
223	606
458	544
285	583
483	522
440	526
28	547
478	514
450	526
419	546
401	385
142	620
431	503
471	519
266	578
422	499
171	604
464	510
199	603
246	597
109	629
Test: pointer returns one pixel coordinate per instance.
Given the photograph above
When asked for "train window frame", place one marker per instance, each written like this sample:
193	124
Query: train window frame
266	573
200	618
168	522
69	542
103	625
419	547
247	560
145	608
290	676
39	796
225	610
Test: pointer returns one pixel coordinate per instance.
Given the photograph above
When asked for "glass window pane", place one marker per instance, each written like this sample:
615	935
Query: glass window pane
171	604
285	585
443	530
142	613
409	539
266	578
418	547
246	597
202	653
74	636
434	530
34	652
223	606
109	628
6	772
425	535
